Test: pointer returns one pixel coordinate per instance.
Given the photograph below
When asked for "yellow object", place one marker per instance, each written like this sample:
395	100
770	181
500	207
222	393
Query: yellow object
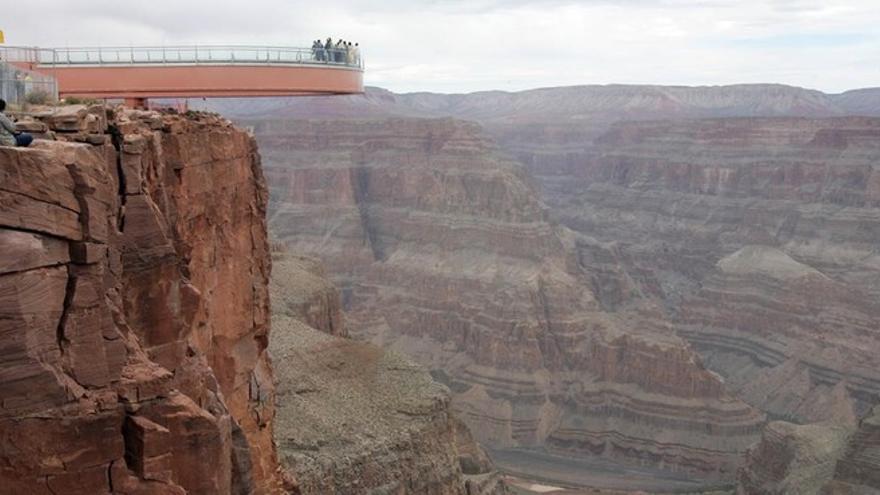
1	37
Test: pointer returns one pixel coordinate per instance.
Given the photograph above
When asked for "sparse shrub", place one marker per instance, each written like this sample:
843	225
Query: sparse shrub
39	97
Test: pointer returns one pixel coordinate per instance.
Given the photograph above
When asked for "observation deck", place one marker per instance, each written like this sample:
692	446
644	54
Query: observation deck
138	73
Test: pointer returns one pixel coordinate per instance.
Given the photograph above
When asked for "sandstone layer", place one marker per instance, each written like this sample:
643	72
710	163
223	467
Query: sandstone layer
743	218
353	418
661	194
758	235
444	252
134	294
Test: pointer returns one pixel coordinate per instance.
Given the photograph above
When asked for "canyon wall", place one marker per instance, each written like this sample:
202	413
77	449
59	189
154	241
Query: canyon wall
759	236
134	292
737	221
824	459
552	130
444	252
757	231
352	418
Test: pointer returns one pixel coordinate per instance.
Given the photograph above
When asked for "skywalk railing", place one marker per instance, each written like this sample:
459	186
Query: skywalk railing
184	55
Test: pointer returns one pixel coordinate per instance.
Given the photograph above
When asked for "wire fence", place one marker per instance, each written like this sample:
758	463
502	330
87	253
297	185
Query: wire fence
19	86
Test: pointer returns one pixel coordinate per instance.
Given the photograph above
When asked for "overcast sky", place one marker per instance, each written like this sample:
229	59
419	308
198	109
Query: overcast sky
462	46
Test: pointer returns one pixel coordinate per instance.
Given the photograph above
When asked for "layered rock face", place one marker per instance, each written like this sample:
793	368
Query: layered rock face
353	418
815	459
444	252
742	219
792	459
134	292
858	471
758	235
551	130
805	349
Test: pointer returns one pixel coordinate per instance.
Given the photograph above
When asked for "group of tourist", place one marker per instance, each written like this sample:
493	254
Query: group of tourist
341	52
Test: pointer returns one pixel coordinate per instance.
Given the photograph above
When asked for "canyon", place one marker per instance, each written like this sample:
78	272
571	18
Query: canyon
647	274
135	290
444	253
623	288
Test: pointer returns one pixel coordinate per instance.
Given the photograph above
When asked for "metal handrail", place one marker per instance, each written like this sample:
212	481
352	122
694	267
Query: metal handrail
184	55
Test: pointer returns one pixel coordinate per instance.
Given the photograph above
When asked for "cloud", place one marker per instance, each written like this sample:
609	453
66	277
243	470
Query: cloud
468	45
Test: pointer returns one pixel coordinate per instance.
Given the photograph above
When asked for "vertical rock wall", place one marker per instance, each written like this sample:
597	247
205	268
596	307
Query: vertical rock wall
134	309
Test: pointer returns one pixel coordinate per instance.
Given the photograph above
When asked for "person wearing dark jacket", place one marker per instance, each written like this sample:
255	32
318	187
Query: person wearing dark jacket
328	50
9	135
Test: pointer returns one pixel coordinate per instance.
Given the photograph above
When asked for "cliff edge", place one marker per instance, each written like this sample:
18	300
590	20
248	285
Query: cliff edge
135	312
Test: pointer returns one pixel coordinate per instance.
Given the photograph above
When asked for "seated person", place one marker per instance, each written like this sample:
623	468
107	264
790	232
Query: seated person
9	135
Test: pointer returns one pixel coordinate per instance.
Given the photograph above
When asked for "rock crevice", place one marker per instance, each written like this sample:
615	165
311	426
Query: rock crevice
126	343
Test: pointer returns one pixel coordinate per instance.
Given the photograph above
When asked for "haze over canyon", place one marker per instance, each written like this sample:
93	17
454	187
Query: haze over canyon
659	278
493	247
593	289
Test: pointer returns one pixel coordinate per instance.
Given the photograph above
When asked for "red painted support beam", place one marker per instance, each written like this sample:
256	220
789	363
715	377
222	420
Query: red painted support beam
158	81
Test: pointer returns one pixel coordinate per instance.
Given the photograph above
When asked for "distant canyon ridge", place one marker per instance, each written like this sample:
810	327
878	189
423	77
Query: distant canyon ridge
679	279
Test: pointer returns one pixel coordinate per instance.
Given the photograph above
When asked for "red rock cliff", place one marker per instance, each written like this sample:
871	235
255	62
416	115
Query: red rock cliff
134	301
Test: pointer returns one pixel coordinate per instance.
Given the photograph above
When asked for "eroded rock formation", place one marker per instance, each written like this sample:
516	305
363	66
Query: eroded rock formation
858	471
444	252
792	459
353	418
810	459
742	219
758	236
134	291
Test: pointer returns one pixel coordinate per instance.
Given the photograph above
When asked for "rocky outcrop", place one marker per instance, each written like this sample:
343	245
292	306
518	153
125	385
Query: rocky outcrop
353	418
444	252
858	471
134	294
815	459
792	459
301	289
804	349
